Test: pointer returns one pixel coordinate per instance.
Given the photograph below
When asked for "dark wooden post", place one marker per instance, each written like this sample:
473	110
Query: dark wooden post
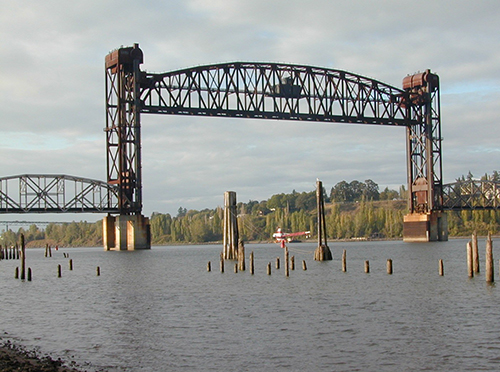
287	262
292	263
475	253
71	264
23	258
389	266
490	277
251	264
98	271
304	266
322	253
241	256
209	266
222	262
269	268
29	274
470	267
367	267
441	268
59	271
344	261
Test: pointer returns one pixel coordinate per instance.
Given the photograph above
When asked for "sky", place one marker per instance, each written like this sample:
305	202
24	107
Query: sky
52	94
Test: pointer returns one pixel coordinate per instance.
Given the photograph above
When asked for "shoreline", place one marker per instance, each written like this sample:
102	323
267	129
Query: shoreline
15	357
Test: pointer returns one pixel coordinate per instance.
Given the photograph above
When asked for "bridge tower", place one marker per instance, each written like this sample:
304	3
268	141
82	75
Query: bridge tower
130	229
426	220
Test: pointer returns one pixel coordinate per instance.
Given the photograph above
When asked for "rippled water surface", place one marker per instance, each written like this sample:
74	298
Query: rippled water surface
160	310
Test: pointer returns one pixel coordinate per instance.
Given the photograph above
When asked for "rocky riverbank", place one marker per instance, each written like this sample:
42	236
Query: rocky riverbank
16	358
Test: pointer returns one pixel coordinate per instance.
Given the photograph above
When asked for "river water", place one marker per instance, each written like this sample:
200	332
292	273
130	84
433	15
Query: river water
160	310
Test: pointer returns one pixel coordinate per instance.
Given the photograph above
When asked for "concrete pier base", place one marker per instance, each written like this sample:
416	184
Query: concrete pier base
425	227
126	233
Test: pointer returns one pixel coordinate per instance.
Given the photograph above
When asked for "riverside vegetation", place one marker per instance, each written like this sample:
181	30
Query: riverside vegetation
353	210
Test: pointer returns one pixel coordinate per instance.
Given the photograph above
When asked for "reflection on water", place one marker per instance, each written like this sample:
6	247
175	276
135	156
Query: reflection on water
160	310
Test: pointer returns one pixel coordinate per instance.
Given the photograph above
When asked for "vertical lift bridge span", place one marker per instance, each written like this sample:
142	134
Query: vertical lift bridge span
268	91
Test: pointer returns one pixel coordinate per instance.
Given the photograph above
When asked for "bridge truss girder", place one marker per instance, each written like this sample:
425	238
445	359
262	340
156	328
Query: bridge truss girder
269	91
38	193
472	195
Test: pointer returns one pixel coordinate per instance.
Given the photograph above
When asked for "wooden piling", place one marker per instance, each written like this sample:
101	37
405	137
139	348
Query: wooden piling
241	256
344	261
277	263
221	262
322	253
98	271
269	268
209	266
292	263
16	274
23	258
29	274
230	237
287	266
46	250
59	271
71	264
441	268
251	264
489	272
475	253
304	266
470	267
367	267
236	267
389	266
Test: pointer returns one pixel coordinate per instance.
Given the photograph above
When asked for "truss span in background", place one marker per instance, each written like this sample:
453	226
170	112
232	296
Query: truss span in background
471	195
37	193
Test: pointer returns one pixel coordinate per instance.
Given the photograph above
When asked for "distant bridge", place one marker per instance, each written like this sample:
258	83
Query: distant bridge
38	193
471	195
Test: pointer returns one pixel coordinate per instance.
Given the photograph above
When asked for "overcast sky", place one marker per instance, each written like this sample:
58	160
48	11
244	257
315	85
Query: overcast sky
52	90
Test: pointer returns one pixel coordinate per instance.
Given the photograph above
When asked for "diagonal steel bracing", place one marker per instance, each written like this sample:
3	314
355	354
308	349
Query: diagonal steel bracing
36	193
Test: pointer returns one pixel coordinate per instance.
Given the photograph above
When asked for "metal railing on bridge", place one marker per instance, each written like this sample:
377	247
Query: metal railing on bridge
471	195
36	193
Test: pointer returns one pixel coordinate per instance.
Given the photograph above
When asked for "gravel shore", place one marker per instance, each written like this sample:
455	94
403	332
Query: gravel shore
16	358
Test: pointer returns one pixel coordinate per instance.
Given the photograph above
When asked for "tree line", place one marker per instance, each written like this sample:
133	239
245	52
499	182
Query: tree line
353	210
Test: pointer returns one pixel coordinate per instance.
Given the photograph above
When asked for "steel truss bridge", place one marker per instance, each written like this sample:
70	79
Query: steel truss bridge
36	193
250	90
269	91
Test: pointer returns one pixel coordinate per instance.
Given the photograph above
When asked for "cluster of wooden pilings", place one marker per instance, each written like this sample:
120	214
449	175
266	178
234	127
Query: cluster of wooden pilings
289	262
473	267
12	253
239	265
18	252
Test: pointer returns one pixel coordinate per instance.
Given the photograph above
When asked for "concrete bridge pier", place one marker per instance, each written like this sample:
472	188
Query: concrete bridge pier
425	227
126	232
